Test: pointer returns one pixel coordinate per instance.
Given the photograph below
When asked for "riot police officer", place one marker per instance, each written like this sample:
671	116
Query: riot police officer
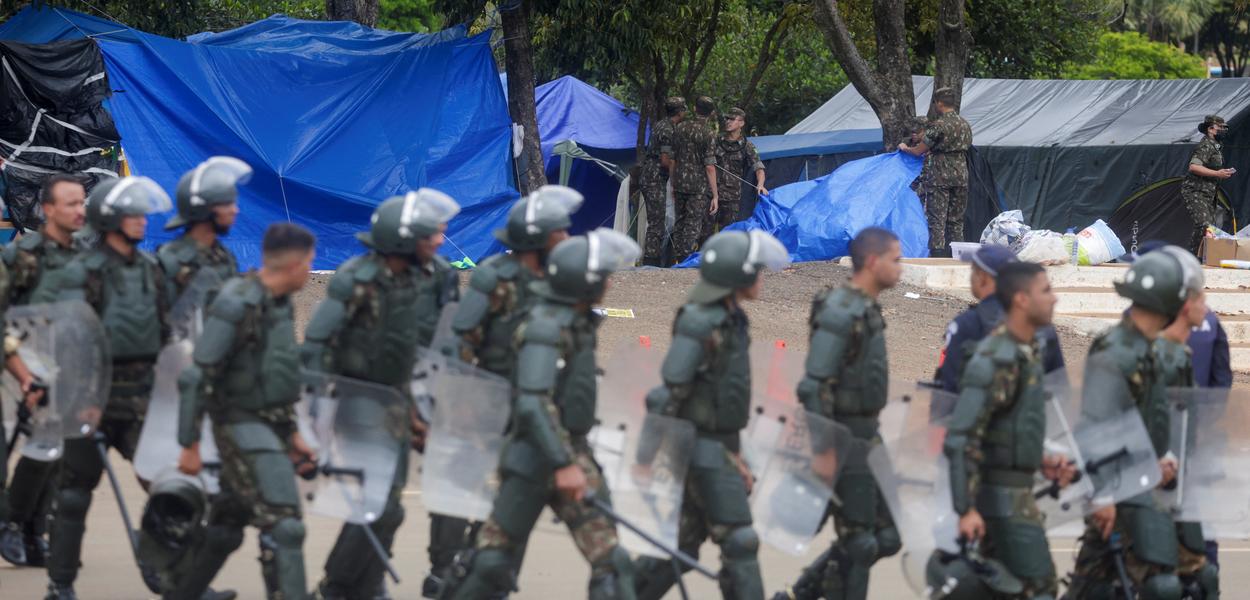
547	460
246	377
707	381
846	376
124	286
207	203
996	435
366	329
1122	374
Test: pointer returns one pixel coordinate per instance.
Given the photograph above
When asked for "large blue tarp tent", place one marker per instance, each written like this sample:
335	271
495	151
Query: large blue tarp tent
817	219
333	117
569	109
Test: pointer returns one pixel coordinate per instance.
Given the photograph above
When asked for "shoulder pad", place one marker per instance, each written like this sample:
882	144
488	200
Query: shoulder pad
840	310
999	348
698	321
29	242
484	279
344	279
363	269
93	261
545	326
234	299
505	265
9	253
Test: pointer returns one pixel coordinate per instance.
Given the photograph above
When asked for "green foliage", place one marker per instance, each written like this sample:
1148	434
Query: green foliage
409	15
1131	55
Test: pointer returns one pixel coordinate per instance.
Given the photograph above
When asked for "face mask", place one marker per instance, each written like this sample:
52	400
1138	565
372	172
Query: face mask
1219	137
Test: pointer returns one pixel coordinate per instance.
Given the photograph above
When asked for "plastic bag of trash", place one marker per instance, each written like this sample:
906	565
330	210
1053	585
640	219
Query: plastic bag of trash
1006	229
1095	244
1043	247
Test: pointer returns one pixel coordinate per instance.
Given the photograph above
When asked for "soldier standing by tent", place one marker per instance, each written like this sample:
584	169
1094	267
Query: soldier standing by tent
735	156
944	179
656	167
366	329
1203	176
246	376
694	173
32	260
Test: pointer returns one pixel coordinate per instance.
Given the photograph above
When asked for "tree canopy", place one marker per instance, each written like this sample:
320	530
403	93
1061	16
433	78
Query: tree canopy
1131	55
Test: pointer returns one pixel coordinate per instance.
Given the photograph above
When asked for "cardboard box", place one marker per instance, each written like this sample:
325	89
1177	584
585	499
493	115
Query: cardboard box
1214	250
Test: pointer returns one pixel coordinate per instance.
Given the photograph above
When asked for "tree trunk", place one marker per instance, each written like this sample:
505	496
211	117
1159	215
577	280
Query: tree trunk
773	40
701	51
888	88
519	63
364	12
953	41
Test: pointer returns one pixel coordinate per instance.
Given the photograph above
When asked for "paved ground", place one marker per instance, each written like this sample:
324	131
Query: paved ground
553	568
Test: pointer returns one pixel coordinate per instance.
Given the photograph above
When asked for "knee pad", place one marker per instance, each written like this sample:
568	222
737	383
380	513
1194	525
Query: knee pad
223	539
612	577
861	548
288	533
1208	578
888	542
741	543
495	567
1165	586
72	504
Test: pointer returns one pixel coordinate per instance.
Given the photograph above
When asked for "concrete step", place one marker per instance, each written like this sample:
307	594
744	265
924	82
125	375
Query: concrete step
1236	327
1074	300
1239	357
946	273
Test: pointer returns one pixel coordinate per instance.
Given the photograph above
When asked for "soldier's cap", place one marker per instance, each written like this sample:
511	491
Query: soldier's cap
735	112
704	105
1210	120
675	103
992	257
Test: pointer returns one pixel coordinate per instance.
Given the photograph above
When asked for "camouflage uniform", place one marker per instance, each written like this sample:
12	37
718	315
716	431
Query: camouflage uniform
845	380
182	258
129	296
29	259
694	147
995	444
246	377
944	180
654	182
1176	369
1118	359
1199	192
741	160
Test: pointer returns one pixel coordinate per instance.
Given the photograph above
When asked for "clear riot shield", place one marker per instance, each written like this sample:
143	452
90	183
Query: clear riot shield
1117	458
66	349
775	375
1211	441
792	493
644	456
432	360
1069	503
459	473
158	442
359	427
914	477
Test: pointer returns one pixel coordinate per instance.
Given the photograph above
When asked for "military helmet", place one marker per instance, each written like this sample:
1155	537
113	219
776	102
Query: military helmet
968	576
733	260
173	515
578	268
1191	269
113	199
534	217
212	183
400	221
1158	282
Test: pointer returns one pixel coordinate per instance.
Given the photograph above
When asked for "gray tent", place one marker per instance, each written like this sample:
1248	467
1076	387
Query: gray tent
1069	152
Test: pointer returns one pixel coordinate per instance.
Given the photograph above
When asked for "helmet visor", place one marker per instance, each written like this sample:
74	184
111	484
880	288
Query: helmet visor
136	196
1192	279
218	170
766	251
552	201
429	206
610	250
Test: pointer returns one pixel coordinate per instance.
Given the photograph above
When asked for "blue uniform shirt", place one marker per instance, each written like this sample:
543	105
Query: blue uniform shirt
973	325
1209	344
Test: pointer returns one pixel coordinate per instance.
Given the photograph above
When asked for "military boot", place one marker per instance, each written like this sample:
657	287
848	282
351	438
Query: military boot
12	544
59	591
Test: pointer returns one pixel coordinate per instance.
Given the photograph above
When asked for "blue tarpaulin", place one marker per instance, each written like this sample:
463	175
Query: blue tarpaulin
569	109
333	117
817	219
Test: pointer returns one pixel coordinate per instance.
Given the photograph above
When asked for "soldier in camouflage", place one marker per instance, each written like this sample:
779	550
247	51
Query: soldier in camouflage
207	202
995	438
694	175
707	381
656	166
846	374
1200	577
944	179
31	261
1203	177
125	287
1122	373
547	460
246	377
735	158
366	329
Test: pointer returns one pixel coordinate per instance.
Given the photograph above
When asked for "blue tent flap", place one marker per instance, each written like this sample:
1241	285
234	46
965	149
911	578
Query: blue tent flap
824	142
817	219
